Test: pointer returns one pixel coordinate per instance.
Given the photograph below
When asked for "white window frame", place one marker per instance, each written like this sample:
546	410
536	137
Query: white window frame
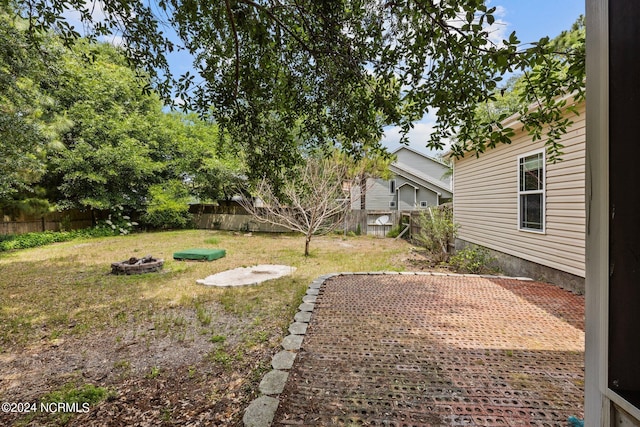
392	186
542	191
424	204
392	204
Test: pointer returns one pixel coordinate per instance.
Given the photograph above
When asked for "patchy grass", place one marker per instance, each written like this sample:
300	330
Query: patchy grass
159	337
67	286
59	406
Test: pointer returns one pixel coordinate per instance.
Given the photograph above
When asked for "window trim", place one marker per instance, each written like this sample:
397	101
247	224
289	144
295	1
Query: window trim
392	186
424	204
543	191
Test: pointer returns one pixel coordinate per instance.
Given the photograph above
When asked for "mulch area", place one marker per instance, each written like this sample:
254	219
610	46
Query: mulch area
422	350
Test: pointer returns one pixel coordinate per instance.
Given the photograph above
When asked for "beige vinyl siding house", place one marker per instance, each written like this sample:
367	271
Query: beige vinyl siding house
513	201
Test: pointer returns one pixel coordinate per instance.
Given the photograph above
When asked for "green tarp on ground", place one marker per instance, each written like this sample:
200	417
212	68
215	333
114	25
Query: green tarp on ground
200	254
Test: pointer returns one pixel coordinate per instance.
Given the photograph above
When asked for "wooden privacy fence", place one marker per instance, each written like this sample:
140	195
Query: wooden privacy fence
225	216
229	216
232	216
53	221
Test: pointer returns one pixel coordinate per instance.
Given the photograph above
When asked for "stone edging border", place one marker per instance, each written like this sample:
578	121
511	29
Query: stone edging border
262	410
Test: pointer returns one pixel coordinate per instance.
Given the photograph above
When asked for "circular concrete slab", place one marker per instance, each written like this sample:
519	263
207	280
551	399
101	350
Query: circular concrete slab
247	275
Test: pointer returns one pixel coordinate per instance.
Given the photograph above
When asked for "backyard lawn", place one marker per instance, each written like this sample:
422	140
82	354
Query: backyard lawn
155	348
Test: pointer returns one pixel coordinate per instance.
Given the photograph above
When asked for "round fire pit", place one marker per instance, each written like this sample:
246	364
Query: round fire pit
135	265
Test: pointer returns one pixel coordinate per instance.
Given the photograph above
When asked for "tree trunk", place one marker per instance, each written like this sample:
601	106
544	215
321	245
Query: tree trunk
306	245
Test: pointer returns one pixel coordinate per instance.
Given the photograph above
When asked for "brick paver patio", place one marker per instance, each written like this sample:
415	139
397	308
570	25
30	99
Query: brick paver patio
421	350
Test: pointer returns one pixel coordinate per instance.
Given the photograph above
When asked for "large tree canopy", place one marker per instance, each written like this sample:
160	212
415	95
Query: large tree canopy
341	69
119	142
24	128
106	160
78	129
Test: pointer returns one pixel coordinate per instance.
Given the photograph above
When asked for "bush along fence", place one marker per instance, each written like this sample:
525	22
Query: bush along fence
9	242
411	223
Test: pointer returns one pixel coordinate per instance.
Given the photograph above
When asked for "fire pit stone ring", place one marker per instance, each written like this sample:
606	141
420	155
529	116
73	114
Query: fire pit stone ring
134	265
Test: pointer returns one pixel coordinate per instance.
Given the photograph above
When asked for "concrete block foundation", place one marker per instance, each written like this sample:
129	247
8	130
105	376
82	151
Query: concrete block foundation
513	266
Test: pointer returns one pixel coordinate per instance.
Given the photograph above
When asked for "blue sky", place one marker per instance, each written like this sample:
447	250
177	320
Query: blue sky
531	20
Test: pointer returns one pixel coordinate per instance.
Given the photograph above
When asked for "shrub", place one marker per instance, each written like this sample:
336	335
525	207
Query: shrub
33	240
116	224
168	206
473	260
395	231
437	231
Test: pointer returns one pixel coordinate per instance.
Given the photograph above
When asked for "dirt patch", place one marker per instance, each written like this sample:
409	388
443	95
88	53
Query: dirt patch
166	372
417	259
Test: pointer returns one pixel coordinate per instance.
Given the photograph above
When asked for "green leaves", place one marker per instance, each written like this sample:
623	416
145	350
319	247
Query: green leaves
336	72
24	124
79	127
168	205
106	159
542	97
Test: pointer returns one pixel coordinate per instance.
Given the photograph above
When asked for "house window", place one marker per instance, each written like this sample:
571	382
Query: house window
531	197
392	204
424	204
392	186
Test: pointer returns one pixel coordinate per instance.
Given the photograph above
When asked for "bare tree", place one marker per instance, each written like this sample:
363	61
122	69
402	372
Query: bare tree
311	201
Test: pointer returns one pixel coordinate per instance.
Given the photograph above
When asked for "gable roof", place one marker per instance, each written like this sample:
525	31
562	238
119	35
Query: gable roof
414	173
413	150
418	177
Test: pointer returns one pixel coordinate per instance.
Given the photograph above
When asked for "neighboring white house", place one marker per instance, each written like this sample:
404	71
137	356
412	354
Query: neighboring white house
528	211
418	182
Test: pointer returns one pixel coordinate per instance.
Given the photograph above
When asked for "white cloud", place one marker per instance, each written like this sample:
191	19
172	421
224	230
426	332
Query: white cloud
98	15
418	136
498	31
178	102
74	18
117	41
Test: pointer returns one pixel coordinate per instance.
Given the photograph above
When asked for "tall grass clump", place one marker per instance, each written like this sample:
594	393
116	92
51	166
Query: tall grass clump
437	231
